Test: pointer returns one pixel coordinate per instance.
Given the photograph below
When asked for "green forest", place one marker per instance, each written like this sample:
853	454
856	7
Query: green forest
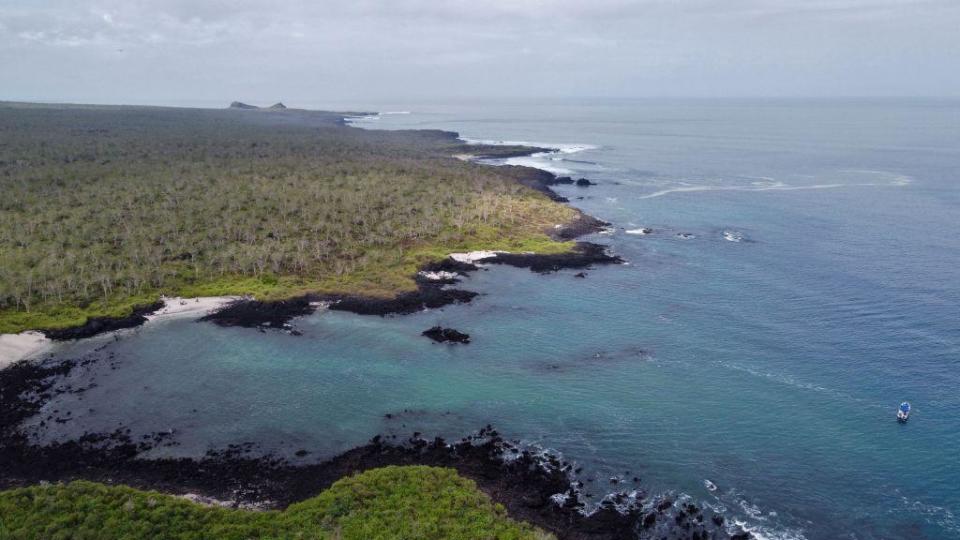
413	502
105	208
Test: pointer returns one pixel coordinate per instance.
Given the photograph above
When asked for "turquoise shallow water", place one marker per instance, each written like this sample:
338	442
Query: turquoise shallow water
771	367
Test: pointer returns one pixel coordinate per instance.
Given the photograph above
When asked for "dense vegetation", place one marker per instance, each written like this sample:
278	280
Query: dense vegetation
104	208
393	502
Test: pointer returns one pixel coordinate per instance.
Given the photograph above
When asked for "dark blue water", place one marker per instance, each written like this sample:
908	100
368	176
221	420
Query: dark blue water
770	366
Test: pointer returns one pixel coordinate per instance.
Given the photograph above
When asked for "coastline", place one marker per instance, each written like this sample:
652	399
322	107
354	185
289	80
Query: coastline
540	489
33	343
16	347
429	294
534	486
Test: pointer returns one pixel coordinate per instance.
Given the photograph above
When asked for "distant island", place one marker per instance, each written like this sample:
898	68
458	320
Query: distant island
242	105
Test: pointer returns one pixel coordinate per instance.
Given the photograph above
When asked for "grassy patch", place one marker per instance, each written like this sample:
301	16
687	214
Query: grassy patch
414	502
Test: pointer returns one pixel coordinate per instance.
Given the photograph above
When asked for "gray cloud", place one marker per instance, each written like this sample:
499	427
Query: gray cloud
176	51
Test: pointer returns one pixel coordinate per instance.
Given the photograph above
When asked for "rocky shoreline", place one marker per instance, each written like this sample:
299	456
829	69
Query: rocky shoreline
534	486
430	293
100	325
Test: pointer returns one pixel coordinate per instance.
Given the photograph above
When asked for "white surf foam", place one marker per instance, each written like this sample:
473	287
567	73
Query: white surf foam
16	347
743	515
537	161
439	275
547	161
563	148
733	236
940	515
779	186
642	231
760	532
764	183
895	179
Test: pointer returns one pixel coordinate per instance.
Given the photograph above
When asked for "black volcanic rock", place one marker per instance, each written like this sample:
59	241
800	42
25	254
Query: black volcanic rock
277	105
442	335
536	179
427	296
253	313
242	105
99	325
583	182
449	265
583	255
584	224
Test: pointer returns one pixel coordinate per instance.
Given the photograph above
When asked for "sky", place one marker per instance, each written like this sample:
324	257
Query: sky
368	51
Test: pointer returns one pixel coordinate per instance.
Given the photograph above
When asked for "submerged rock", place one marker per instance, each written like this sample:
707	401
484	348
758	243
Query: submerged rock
442	335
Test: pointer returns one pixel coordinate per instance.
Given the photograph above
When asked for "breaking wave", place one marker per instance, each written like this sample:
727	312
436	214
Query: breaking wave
552	161
770	184
563	148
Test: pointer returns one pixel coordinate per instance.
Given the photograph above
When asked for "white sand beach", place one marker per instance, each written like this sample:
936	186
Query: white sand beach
176	307
16	347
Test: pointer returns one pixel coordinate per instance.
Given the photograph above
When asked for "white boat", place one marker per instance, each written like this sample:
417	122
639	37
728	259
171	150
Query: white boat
903	413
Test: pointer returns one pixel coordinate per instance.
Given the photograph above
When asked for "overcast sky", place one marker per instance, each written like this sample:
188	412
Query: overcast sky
196	51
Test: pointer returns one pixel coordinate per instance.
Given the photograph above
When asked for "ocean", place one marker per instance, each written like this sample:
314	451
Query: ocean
801	279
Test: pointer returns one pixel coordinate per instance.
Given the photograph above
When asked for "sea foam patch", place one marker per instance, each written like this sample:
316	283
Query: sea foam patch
16	347
552	161
856	177
563	148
